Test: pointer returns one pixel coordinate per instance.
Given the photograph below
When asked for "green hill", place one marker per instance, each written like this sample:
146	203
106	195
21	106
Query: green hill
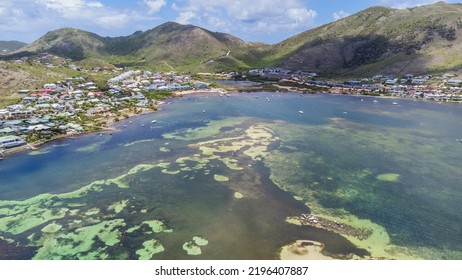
379	40
376	40
168	46
10	46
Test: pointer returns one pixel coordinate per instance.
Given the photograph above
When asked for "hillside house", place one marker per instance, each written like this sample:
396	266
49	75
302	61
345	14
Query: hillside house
454	82
201	86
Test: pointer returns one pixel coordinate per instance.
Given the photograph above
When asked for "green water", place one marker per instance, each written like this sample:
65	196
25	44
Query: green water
224	177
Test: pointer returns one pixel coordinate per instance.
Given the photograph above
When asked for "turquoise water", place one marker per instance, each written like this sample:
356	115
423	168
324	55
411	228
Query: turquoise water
227	169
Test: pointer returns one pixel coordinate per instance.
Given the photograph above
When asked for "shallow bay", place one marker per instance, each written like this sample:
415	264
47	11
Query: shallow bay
233	172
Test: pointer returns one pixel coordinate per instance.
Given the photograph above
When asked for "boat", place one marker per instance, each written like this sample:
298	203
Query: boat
395	103
375	101
301	112
154	121
203	111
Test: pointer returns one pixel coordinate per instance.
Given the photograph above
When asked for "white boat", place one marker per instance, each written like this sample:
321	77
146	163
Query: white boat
301	112
395	103
154	121
203	111
375	101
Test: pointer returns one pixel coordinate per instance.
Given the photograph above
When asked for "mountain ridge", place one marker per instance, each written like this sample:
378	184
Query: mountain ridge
377	39
10	46
380	37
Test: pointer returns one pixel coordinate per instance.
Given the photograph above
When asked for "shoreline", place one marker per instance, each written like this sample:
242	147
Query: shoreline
110	127
202	91
304	250
111	123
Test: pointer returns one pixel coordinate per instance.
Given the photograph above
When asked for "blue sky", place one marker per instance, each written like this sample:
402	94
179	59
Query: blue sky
268	21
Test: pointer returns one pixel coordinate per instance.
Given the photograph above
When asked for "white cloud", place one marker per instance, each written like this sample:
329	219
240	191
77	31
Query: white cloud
27	20
219	24
113	20
244	15
154	5
185	17
3	8
301	16
95	4
340	14
397	4
73	9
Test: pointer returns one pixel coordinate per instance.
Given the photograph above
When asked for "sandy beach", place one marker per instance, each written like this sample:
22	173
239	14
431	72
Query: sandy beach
199	91
304	250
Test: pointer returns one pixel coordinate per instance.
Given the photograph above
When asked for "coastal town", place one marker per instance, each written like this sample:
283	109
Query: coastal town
78	105
445	88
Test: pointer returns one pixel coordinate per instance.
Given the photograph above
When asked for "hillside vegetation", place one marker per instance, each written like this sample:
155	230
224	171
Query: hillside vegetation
376	40
10	46
170	46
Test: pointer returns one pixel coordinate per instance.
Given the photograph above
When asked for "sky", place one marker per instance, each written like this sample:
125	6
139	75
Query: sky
268	21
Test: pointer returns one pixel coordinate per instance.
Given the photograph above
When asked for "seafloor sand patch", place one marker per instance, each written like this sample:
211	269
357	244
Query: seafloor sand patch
220	178
150	248
388	177
52	228
238	195
193	247
304	250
